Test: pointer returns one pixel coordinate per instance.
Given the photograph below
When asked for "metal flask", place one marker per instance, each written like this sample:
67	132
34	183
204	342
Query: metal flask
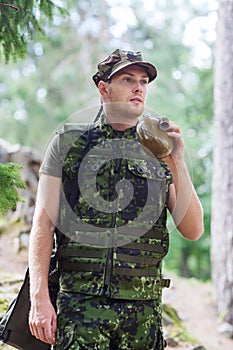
152	134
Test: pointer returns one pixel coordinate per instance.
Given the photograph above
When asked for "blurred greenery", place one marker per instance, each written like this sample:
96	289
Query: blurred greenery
54	82
21	20
11	181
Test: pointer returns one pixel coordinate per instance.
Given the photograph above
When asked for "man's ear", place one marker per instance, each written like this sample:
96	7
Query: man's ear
103	89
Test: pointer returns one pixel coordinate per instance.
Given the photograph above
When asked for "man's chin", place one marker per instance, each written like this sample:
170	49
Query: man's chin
126	110
136	110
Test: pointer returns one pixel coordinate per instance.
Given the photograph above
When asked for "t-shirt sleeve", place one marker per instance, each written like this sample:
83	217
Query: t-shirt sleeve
51	163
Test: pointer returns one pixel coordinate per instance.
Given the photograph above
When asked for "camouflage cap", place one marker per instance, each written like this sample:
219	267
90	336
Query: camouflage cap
120	59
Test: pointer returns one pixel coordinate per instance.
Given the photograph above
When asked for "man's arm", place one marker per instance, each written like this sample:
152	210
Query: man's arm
42	318
183	202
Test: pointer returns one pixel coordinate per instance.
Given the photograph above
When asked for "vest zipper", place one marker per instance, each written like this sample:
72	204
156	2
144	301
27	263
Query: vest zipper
109	266
109	258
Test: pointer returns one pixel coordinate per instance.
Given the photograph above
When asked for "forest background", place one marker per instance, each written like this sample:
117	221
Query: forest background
53	82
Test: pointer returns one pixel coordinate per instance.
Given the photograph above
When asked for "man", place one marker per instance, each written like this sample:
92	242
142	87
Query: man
111	244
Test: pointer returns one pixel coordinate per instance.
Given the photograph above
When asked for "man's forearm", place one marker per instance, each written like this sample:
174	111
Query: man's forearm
41	237
187	210
40	248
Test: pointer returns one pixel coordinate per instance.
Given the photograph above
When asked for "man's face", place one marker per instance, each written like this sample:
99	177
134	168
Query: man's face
126	93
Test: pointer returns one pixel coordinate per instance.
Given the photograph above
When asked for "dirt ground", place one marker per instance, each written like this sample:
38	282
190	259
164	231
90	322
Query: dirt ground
194	301
196	306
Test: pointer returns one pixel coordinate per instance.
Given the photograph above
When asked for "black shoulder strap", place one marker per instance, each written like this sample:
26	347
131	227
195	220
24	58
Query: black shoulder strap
86	149
99	113
75	167
72	195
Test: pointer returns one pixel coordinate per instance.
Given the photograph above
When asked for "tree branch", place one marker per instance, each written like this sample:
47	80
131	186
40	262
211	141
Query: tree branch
11	6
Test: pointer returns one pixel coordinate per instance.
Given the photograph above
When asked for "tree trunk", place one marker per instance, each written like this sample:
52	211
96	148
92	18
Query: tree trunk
222	183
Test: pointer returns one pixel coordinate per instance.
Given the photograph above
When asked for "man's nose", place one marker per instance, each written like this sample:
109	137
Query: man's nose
138	87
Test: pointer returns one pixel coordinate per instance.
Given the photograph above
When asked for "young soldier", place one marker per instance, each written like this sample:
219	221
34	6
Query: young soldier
111	244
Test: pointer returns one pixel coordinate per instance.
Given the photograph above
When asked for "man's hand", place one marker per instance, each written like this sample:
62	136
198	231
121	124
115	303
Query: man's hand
43	321
183	201
177	153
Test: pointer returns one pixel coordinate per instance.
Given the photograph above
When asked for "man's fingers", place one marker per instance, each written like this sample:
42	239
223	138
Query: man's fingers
45	334
49	336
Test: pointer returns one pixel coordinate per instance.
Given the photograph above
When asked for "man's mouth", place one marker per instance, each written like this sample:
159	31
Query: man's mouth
136	100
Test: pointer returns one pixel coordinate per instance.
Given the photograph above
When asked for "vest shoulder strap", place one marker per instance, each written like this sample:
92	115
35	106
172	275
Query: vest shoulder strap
70	184
71	132
77	127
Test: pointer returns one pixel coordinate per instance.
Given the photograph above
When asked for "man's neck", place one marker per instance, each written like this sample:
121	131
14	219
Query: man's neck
121	127
121	123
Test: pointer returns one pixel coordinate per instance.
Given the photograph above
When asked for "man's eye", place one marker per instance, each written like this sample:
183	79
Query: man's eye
144	82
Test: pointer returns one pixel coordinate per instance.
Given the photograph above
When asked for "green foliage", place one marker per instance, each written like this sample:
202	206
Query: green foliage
21	21
187	258
10	182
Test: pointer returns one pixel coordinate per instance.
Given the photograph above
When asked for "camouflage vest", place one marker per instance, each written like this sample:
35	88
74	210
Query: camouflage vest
114	238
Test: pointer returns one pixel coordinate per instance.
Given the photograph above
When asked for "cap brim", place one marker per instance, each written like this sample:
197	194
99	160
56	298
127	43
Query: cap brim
150	68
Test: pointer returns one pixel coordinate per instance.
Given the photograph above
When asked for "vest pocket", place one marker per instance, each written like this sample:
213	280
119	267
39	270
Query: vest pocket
81	268
152	170
149	192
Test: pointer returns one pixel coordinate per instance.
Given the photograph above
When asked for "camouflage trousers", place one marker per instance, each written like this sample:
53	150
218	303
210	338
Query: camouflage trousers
98	323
